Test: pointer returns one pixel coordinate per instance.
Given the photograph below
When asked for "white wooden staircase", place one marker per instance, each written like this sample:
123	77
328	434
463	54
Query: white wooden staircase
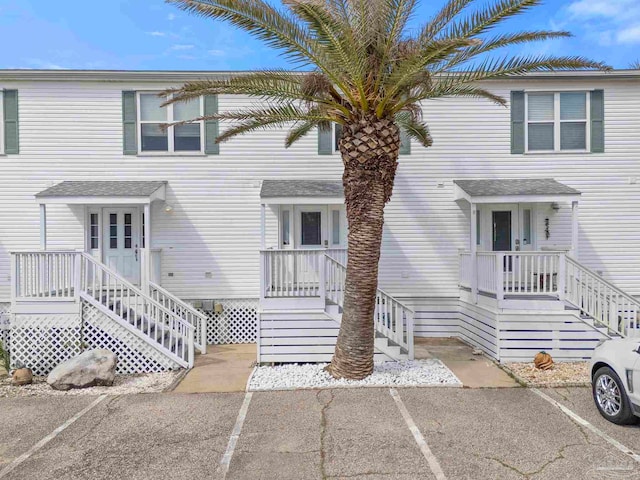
301	309
58	283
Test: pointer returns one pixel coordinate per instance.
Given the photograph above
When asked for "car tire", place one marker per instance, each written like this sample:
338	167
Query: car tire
605	398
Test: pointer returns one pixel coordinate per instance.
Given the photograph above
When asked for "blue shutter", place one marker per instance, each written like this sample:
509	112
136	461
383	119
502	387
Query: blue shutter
211	127
597	121
517	122
325	142
11	131
129	123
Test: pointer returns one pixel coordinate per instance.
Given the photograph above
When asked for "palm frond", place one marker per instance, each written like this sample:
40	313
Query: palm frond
485	19
500	41
298	131
414	128
443	18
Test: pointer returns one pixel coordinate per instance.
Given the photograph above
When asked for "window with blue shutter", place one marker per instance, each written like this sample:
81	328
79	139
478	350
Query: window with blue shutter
571	121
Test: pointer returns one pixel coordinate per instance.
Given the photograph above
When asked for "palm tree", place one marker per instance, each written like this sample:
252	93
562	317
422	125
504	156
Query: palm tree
358	64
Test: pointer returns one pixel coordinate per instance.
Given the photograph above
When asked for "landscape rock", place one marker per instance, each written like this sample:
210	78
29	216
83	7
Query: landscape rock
22	376
89	369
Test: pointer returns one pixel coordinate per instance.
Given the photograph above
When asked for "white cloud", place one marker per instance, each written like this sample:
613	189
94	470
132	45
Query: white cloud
181	47
613	9
217	53
605	22
629	35
171	17
157	34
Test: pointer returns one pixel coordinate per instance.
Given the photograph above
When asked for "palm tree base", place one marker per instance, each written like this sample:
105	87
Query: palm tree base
356	368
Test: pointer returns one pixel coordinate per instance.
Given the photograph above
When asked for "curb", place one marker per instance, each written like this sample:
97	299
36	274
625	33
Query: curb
177	380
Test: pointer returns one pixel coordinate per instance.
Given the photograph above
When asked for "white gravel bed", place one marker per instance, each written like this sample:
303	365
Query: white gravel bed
411	373
123	385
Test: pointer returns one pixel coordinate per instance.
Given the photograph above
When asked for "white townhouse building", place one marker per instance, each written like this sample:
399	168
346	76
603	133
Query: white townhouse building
519	230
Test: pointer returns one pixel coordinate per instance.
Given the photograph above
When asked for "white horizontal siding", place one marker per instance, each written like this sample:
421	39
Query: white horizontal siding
72	131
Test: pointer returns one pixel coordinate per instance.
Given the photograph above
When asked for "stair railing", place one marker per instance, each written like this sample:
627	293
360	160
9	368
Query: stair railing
184	311
391	318
601	300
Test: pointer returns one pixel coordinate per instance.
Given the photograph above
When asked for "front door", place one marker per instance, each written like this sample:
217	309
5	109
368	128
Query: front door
501	223
121	242
311	226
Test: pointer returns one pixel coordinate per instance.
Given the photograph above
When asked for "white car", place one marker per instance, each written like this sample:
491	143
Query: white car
615	379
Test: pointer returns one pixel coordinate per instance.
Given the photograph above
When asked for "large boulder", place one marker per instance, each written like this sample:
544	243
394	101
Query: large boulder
91	368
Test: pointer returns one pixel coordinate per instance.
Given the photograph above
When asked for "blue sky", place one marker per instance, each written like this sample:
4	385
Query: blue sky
150	35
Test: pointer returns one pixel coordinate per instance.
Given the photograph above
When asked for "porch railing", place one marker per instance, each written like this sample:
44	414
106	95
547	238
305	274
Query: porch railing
296	273
514	273
45	276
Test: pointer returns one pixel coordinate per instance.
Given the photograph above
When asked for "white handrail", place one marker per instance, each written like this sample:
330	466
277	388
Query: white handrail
600	299
184	311
392	319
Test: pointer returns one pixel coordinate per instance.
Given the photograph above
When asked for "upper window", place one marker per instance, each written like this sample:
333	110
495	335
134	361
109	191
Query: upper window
179	138
557	122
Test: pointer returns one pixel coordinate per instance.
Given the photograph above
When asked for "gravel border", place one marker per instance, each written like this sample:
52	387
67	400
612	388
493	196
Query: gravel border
123	385
311	376
540	384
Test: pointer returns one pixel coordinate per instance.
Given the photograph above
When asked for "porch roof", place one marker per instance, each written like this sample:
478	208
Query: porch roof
505	190
101	192
302	192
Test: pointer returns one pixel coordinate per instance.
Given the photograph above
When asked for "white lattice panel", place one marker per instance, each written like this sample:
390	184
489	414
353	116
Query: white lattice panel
134	354
237	323
41	342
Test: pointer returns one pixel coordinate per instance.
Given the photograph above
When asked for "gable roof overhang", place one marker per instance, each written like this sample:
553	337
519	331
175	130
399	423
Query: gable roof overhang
103	192
514	190
302	192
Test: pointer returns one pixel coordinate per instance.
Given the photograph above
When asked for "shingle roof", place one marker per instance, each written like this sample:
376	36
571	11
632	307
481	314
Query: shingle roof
515	186
301	188
102	189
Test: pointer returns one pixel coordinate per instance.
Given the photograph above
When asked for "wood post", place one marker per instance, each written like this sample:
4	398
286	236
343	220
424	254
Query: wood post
43	226
473	248
562	277
574	229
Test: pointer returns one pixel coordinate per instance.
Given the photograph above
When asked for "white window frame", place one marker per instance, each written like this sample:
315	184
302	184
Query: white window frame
557	121
170	130
1	121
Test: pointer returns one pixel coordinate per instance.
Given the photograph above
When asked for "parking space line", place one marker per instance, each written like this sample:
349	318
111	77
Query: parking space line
419	438
235	434
581	421
9	468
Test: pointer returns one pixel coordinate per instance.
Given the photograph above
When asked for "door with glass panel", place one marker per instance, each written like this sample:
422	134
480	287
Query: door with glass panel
311	234
121	242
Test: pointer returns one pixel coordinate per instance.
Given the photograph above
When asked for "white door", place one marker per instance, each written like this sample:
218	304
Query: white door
121	241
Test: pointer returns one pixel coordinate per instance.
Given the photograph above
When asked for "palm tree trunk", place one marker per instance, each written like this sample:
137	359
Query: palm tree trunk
369	151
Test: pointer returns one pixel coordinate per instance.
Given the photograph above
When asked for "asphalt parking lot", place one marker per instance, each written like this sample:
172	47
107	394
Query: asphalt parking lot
326	434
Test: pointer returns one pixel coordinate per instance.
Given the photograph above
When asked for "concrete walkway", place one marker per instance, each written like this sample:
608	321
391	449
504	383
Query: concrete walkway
474	371
225	368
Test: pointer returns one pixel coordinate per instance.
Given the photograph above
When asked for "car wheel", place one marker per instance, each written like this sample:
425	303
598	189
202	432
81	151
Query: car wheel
611	398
